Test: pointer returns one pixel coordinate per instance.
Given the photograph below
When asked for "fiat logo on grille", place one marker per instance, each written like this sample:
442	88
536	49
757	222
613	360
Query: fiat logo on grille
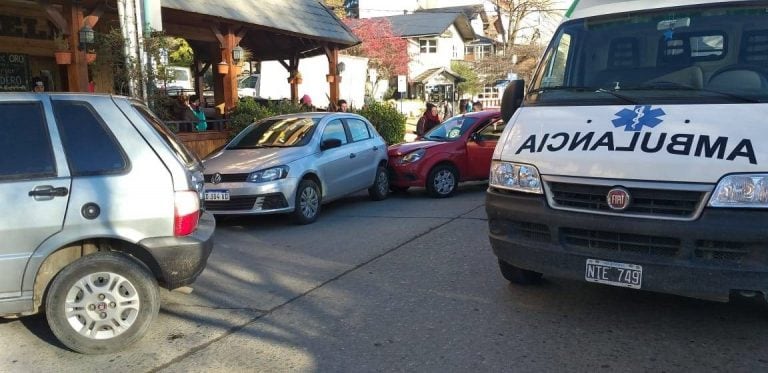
618	199
216	178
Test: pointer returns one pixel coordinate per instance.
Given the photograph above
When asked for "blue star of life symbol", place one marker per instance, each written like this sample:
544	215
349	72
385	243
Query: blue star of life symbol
641	116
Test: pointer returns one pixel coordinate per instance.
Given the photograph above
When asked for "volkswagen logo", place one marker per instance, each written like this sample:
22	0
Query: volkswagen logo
216	178
618	199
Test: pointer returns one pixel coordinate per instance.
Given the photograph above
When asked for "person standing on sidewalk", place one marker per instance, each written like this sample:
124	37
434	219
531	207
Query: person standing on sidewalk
342	106
427	121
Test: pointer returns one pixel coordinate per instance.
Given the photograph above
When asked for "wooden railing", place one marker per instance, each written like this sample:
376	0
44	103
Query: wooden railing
201	143
184	126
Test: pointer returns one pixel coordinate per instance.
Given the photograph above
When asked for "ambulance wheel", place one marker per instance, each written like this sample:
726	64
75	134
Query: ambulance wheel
518	275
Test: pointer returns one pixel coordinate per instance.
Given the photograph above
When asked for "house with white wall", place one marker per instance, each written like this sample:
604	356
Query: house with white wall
434	39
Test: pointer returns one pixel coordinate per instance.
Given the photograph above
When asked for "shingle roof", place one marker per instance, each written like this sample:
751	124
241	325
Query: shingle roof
468	10
428	24
308	18
481	40
428	74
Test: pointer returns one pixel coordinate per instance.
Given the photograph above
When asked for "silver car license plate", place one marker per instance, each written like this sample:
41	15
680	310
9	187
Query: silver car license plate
613	273
217	195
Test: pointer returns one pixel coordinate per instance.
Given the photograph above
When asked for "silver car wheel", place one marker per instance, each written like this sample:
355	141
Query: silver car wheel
444	182
308	202
102	305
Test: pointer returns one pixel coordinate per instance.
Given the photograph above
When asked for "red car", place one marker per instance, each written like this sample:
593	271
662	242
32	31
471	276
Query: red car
458	149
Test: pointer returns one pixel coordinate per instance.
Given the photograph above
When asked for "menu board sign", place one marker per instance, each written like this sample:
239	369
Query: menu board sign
14	72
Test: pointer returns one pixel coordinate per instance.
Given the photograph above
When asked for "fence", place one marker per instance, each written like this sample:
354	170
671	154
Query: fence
201	143
490	103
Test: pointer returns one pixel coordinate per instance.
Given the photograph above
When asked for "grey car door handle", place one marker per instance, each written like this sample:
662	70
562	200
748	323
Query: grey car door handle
352	155
375	148
49	192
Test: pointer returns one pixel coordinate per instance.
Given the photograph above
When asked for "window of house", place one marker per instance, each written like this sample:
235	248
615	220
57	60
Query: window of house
490	91
428	45
25	147
482	51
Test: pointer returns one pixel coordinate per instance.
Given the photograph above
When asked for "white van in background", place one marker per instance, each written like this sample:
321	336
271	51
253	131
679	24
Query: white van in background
638	155
180	80
249	86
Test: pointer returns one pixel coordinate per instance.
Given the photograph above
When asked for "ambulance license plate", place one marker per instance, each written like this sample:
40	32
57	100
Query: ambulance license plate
613	273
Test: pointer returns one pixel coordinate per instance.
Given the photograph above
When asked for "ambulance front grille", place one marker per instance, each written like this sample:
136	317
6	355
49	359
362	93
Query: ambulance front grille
675	204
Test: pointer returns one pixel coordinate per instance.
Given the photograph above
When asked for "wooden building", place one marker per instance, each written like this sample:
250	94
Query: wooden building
286	31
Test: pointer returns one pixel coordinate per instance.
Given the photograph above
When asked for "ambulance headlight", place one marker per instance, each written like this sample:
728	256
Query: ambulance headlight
741	191
515	176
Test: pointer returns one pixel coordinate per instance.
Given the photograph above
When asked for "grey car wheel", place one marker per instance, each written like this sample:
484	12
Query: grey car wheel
308	202
102	303
380	188
442	181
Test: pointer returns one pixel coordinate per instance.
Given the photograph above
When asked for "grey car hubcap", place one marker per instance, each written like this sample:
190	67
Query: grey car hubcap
308	202
444	182
102	305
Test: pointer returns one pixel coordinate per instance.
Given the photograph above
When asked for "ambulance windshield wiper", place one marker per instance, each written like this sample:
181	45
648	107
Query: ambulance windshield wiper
585	89
676	86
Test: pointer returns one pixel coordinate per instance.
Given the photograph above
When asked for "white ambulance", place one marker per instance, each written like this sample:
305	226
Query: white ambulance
638	154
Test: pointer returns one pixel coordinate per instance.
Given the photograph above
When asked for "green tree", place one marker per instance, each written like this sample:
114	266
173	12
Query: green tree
181	53
471	83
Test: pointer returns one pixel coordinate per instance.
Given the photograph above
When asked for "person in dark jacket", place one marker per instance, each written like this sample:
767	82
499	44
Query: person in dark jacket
427	121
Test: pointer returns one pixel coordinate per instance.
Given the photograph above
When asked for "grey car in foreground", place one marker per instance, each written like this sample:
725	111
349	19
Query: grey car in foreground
100	204
294	163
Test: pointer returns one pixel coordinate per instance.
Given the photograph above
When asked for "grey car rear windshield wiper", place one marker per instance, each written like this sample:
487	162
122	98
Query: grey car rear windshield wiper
677	86
585	89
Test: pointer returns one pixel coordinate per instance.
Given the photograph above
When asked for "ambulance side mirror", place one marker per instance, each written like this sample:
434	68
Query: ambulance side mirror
512	99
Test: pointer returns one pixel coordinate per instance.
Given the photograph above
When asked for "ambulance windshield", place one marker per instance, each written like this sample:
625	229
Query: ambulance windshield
715	54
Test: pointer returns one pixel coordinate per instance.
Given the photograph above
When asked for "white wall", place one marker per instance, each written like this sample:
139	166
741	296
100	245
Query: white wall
274	80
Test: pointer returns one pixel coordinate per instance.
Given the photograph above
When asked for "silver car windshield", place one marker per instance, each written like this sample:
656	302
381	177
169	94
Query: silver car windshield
276	132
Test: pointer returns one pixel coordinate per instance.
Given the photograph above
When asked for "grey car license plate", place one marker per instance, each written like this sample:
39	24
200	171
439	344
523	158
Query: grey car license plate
217	195
613	273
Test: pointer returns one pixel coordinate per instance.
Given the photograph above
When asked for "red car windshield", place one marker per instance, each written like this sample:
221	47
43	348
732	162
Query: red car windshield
451	129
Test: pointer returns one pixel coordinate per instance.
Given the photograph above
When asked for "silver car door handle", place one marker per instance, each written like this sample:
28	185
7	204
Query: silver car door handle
47	191
352	155
375	148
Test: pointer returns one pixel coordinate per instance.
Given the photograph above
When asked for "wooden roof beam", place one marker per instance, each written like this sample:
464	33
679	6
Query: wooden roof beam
54	15
93	18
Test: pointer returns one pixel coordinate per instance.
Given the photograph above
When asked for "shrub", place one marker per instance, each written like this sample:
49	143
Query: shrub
249	110
387	119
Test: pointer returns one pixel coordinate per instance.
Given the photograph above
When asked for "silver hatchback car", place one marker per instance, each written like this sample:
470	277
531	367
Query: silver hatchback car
101	204
294	163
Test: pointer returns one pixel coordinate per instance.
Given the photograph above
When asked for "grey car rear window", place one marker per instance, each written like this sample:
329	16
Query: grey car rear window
168	137
25	146
90	146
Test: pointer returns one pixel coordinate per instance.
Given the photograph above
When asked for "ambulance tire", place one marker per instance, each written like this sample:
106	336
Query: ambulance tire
518	275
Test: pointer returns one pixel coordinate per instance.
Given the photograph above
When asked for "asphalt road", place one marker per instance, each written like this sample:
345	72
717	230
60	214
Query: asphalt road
406	284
